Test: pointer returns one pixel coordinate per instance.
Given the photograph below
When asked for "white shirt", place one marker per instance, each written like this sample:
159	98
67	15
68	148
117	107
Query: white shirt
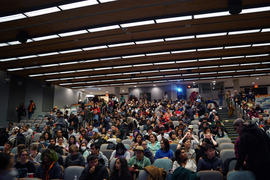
190	165
166	136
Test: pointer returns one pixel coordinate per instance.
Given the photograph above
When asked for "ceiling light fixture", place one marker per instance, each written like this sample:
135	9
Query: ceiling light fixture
42	11
105	28
78	4
179	38
173	19
140	23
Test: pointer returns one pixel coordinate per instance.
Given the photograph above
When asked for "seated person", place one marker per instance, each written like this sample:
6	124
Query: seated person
7	172
120	170
210	137
37	129
42	143
139	161
120	151
34	154
201	150
24	166
190	152
61	142
50	168
210	161
71	141
94	170
75	158
172	138
186	120
221	133
153	145
7	148
162	134
147	152
83	150
19	148
164	151
50	122
252	113
60	158
194	141
95	147
60	134
181	159
137	141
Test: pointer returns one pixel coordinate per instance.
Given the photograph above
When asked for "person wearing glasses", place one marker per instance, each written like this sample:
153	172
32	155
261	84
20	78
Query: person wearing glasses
24	166
164	151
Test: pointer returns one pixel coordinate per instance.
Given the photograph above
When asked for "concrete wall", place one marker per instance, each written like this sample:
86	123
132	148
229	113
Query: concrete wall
4	94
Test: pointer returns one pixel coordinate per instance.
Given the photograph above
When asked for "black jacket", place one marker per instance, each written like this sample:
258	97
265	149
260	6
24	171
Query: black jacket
54	173
256	145
201	109
77	160
21	111
100	173
75	120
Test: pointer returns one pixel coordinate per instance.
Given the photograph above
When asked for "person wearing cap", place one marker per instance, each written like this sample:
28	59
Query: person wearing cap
139	161
255	144
95	136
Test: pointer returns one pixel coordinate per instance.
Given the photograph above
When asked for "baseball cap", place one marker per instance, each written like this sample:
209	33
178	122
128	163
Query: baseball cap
198	100
239	121
95	130
190	127
139	148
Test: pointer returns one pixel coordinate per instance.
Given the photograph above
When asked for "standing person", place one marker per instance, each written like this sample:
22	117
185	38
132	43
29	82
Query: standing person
220	97
120	170
165	97
236	98
74	121
255	144
31	109
59	123
21	111
94	170
229	104
122	98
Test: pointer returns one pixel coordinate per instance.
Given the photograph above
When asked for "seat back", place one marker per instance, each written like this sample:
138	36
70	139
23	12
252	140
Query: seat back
195	126
103	147
107	153
127	141
223	140
36	137
232	165
126	146
39	118
241	175
226	146
173	147
175	123
38	121
143	175
64	158
210	175
23	121
30	121
42	150
20	124
72	171
32	118
226	153
112	162
163	163
195	122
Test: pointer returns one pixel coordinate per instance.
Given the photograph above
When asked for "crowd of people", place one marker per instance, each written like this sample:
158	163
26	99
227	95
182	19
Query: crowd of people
149	125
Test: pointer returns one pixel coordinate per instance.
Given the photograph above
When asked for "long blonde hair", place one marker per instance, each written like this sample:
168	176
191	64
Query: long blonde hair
227	94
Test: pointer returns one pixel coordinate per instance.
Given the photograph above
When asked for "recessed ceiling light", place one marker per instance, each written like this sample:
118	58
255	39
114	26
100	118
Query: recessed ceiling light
135	86
67	72
138	65
211	35
110	58
119	67
81	77
3	44
183	51
140	23
209	59
190	74
155	54
105	28
253	82
149	71
45	37
35	75
154	85
52	79
233	57
84	70
32	67
155	77
210	15
226	72
131	73
70	51
26	57
179	38
94	48
187	61
244	32
164	63
210	49
13	42
160	81
165	70
254	10
208	67
266	30
48	54
173	19
249	64
118	74
257	55
121	44
42	11
261	44
65	84
257	78
68	63
229	65
78	4
53	73
63	79
104	68
8	59
241	46
133	56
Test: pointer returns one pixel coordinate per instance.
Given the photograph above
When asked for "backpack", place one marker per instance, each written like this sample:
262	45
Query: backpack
20	139
111	145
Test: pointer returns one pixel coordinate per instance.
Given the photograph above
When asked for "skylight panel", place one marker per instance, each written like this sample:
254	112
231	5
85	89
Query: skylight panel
27	57
159	53
149	71
110	58
183	51
257	55
138	65
210	49
210	15
105	28
15	69
164	63
121	44
48	54
3	44
78	4
94	48
209	59
12	17
35	75
232	57
104	68
211	35
241	46
45	37
254	10
119	67
42	11
68	63
244	32
8	59
140	23
133	56
261	44
70	51
179	38
149	41
173	19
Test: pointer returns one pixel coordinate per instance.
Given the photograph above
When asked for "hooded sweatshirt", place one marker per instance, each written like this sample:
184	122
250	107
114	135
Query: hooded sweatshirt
77	160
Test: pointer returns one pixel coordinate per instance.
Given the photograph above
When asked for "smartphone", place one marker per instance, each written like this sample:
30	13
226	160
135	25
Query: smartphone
135	166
